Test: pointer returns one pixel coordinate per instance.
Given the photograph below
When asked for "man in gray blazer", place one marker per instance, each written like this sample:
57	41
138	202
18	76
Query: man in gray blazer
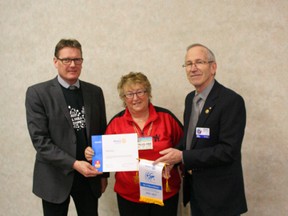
62	114
214	124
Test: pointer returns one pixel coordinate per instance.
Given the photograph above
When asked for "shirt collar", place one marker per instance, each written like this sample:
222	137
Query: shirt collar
65	84
204	94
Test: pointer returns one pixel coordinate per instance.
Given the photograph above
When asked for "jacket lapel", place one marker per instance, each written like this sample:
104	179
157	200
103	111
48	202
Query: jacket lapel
87	98
207	109
59	96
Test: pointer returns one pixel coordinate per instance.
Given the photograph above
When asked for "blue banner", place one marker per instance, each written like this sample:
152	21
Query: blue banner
97	160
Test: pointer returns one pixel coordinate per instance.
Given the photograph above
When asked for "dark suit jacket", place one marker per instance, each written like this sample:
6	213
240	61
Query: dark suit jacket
51	130
217	179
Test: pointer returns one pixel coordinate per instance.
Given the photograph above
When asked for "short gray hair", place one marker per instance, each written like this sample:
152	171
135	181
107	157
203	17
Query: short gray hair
210	54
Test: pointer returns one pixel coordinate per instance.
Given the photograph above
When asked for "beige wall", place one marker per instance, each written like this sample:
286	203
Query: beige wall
249	39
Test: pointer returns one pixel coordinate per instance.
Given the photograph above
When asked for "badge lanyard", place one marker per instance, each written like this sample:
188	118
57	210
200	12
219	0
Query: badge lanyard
136	177
142	133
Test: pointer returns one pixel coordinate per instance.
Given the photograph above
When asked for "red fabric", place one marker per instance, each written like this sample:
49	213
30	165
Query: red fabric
166	132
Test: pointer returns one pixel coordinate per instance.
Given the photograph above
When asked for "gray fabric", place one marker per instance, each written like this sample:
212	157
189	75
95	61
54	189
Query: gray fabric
193	120
73	87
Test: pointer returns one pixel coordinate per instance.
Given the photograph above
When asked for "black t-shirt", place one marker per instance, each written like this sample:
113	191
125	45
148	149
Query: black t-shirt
74	101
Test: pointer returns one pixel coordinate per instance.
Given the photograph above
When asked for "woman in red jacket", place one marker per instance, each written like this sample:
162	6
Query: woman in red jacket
165	130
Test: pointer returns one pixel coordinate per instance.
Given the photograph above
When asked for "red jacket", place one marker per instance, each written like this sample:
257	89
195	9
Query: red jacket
166	131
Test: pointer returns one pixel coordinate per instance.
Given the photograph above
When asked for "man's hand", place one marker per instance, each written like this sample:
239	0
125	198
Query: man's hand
166	171
171	156
85	168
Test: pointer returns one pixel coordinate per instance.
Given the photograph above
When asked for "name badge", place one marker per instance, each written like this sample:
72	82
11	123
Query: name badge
145	143
203	133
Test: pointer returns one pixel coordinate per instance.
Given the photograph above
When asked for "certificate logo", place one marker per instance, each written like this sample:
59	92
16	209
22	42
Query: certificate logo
97	164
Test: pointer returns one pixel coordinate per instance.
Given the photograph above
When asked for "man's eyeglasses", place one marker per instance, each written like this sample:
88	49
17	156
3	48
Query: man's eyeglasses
197	63
139	93
68	61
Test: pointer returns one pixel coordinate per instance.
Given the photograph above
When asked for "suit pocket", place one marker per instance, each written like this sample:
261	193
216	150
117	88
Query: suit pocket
215	191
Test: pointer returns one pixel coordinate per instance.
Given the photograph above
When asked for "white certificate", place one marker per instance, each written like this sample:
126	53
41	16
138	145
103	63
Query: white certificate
115	152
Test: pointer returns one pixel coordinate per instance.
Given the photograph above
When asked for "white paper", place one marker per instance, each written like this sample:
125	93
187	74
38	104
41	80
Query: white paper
116	152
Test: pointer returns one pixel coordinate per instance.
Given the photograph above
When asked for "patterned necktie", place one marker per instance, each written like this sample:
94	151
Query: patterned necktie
193	120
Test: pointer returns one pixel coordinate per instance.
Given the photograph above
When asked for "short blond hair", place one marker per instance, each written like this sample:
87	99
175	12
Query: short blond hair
131	79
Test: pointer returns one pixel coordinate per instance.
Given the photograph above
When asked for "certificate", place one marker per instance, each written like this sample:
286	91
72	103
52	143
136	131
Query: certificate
115	152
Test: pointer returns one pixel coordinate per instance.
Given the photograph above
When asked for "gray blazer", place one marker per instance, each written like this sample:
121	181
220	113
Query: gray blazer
52	134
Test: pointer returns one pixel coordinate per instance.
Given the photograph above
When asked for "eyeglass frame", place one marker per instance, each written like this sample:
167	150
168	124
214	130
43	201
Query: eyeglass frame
70	60
197	63
130	95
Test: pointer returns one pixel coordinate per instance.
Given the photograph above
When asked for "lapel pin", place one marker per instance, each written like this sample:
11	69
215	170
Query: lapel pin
208	110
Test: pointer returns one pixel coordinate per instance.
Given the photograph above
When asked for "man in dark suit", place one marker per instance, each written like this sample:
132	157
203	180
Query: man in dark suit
211	149
62	114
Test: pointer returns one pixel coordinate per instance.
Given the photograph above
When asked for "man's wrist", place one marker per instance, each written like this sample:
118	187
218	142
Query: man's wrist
75	164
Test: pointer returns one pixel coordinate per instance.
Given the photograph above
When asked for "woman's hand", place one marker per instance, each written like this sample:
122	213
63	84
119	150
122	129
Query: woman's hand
89	153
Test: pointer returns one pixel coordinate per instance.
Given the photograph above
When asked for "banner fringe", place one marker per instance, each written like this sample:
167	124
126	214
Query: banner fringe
151	200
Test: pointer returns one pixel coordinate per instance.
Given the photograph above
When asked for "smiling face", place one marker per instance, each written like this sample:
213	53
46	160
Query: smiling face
137	104
70	72
201	75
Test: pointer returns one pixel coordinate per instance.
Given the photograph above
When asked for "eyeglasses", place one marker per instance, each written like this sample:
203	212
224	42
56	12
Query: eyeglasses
68	61
197	63
139	93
